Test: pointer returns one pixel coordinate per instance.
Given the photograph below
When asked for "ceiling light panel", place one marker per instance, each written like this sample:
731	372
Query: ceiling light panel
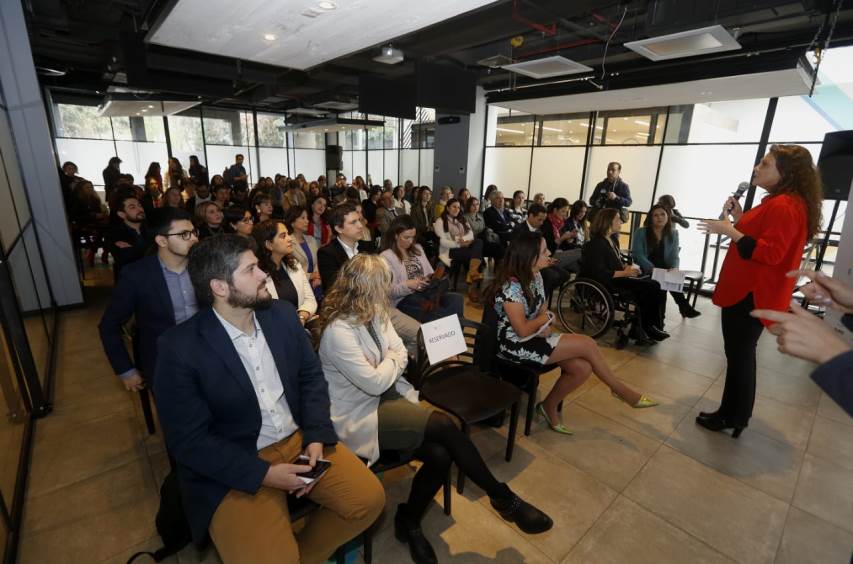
685	44
547	67
309	32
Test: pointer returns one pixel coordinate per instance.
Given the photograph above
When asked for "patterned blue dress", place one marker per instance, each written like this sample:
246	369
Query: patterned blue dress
535	350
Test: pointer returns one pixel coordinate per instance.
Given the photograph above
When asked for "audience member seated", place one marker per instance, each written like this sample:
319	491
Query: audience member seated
554	275
175	174
209	219
414	289
675	216
318	227
347	223
238	220
487	197
561	242
173	198
262	207
458	244
89	216
444	196
198	173
67	178
294	196
366	240
492	246
235	438
602	261
423	214
525	334
577	224
539	198
386	214
156	292
127	237
517	212
497	218
374	408
370	205
655	245
304	246
201	193
222	196
463	196
404	206
276	258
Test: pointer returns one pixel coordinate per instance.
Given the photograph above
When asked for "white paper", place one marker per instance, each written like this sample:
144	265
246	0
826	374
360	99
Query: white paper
443	338
542	329
669	280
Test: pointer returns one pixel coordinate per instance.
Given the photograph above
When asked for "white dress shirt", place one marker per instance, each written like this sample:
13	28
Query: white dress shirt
276	420
351	251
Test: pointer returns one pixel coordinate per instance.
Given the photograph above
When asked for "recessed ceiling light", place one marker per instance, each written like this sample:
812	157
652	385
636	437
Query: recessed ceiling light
326	5
144	109
270	37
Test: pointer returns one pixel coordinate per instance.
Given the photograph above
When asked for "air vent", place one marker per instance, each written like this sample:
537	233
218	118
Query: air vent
495	61
685	44
307	112
547	67
336	105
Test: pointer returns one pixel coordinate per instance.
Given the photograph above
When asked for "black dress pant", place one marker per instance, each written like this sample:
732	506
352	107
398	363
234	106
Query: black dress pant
648	296
740	337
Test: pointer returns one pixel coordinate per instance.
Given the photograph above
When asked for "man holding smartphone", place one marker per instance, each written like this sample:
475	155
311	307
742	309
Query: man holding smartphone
241	395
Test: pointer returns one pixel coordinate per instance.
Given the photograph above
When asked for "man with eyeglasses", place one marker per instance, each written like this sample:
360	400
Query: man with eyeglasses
157	291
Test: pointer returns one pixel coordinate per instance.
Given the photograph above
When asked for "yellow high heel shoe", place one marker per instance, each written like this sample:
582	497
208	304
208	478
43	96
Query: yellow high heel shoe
643	402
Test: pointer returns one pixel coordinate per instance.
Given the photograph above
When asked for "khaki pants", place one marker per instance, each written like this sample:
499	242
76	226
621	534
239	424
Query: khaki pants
256	529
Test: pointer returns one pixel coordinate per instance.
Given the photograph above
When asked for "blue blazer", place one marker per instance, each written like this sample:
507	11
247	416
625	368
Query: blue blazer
141	293
640	251
210	413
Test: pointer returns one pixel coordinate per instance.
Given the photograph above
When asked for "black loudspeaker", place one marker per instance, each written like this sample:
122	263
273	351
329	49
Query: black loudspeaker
334	157
836	165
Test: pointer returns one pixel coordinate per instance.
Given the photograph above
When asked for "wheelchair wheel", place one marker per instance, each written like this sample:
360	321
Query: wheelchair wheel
586	307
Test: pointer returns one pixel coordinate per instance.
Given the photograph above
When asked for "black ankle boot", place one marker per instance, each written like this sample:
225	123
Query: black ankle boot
714	422
689	311
640	336
655	333
409	532
515	510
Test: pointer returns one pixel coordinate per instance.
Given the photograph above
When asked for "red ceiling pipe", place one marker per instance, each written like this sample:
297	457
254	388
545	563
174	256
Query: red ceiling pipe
559	47
548	29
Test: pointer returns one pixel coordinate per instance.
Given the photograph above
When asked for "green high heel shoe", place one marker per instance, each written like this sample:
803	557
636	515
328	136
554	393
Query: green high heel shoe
643	402
559	428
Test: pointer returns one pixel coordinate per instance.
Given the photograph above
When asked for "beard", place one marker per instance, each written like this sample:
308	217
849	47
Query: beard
236	298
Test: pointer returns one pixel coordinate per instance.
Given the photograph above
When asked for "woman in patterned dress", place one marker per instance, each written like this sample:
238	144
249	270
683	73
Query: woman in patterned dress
524	334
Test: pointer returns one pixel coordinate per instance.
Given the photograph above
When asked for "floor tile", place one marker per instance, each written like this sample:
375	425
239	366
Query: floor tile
735	519
755	459
831	410
809	540
824	490
704	362
150	545
605	449
656	378
832	441
571	497
656	422
628	533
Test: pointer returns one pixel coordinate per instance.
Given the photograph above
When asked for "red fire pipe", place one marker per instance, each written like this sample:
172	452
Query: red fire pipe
559	47
549	30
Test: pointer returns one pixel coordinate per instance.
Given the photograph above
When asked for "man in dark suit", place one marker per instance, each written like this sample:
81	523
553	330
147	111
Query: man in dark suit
346	224
127	238
156	291
497	218
241	394
555	275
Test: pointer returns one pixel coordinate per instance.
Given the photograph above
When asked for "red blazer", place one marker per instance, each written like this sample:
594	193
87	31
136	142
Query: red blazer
778	226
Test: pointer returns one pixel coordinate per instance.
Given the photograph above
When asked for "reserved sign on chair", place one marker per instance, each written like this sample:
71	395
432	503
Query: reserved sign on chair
443	338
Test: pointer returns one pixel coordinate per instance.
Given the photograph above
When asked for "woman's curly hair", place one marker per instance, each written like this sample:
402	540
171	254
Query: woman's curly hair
360	292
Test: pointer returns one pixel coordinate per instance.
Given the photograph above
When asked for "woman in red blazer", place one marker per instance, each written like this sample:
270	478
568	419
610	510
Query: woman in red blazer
766	243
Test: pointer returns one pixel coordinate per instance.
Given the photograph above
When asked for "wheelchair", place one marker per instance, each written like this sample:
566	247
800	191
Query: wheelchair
587	307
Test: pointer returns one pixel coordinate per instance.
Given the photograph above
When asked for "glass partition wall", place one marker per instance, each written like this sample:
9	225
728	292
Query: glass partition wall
27	334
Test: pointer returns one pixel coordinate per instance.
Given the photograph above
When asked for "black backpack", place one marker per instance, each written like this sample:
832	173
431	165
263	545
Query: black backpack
171	521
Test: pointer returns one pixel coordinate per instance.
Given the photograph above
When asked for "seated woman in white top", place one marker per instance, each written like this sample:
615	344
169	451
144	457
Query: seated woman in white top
404	207
414	289
276	258
457	242
374	407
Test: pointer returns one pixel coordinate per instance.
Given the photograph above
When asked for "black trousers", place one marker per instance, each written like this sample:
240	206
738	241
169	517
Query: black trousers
740	337
648	296
472	251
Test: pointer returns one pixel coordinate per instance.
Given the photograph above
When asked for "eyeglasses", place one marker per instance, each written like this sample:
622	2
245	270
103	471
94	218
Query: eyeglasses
184	235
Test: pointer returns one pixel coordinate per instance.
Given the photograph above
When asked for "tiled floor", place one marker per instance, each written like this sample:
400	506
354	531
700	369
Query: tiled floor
630	485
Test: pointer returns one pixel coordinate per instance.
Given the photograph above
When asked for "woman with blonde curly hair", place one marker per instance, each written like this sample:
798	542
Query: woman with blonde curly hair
766	243
374	407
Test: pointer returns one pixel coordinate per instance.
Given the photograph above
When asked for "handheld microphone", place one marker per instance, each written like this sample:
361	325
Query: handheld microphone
741	189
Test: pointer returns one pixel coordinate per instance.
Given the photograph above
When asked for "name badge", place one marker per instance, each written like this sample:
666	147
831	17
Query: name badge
443	338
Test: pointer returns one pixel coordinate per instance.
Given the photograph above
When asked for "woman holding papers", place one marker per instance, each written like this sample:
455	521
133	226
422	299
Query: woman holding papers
765	243
655	245
374	408
602	262
525	334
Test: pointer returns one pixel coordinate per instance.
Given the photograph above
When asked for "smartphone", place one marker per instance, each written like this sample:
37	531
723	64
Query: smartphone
319	469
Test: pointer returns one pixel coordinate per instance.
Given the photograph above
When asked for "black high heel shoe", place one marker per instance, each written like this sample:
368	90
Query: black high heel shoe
718	424
408	532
